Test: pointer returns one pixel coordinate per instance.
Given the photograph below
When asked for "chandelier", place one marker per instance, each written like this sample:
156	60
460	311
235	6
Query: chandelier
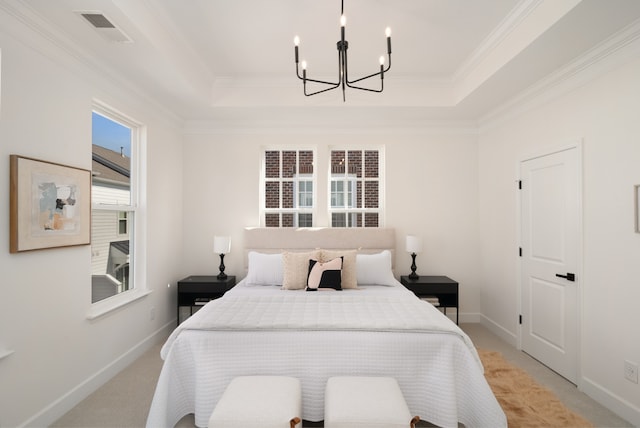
343	75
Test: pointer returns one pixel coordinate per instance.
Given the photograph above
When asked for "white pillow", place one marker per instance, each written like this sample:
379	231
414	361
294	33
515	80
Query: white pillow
265	269
375	269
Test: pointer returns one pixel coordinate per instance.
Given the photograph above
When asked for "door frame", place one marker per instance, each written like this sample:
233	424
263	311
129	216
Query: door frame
577	144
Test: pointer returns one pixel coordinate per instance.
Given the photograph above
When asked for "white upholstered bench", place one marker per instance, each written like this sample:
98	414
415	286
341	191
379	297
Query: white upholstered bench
354	402
259	402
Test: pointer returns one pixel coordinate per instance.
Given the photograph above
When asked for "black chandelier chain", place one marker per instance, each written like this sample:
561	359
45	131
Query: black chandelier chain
343	74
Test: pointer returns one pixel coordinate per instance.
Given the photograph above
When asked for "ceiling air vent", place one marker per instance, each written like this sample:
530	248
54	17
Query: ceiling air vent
105	27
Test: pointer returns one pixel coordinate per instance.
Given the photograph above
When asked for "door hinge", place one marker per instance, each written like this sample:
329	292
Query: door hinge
520	319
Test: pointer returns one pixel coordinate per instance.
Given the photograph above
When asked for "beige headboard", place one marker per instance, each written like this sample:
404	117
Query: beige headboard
274	240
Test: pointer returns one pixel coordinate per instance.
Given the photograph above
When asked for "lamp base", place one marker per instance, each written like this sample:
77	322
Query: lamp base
413	274
222	275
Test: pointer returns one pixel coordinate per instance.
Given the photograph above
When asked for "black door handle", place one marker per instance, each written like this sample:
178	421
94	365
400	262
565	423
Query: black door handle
569	276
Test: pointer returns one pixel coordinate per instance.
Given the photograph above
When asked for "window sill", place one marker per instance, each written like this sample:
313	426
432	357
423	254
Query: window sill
111	304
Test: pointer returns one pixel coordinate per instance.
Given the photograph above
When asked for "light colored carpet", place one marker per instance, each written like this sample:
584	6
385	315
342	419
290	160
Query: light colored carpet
124	401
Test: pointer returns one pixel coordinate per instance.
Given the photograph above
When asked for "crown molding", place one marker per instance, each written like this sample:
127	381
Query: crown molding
508	25
36	33
613	52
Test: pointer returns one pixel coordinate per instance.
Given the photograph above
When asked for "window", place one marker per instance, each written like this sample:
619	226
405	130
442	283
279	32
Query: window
123	224
114	204
355	188
289	194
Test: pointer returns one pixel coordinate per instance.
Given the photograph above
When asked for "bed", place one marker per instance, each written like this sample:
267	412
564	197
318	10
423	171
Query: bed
375	327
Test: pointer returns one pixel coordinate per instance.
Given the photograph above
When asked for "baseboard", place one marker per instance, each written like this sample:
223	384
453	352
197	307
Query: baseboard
499	331
616	404
68	401
465	317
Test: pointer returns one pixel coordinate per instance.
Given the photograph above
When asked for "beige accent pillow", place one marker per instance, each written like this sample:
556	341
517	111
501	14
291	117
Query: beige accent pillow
295	268
349	272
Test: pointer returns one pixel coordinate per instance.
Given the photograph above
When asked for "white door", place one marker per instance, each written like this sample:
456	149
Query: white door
550	210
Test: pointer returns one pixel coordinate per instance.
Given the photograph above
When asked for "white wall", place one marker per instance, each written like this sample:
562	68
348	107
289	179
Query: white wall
431	191
59	355
604	114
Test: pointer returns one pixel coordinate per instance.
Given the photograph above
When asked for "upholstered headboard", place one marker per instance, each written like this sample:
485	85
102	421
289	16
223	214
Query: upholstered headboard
275	240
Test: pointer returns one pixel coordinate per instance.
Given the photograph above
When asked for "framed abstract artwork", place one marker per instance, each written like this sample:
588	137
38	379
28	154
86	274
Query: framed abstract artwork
50	205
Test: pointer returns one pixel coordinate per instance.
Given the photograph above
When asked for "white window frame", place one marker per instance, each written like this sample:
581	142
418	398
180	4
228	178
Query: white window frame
137	215
297	209
380	179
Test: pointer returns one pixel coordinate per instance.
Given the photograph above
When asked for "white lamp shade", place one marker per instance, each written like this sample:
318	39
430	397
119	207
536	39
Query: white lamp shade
221	244
414	244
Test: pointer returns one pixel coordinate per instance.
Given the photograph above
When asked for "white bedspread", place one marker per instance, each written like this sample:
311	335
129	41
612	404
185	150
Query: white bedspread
316	335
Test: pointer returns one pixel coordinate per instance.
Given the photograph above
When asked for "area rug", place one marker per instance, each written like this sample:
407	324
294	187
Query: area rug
524	401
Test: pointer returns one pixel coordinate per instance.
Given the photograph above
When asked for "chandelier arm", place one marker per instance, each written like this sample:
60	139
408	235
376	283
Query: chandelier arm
349	82
322	82
367	89
319	91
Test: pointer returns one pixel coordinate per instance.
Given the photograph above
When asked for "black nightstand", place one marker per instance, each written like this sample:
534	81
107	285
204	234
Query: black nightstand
442	287
197	290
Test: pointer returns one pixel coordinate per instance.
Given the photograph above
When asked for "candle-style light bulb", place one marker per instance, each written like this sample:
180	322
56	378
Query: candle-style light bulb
381	60
304	65
296	40
388	33
343	21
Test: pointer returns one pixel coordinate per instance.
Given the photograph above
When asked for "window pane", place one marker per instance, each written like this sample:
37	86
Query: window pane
306	162
338	220
272	164
287	220
371	220
305	220
111	162
272	194
122	222
287	194
337	162
355	163
289	160
272	220
111	230
371	194
371	163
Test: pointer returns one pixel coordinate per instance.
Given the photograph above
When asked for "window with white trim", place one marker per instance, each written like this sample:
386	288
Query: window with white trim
114	200
355	187
288	188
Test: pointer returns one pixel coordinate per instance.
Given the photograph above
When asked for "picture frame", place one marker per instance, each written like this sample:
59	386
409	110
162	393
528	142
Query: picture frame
636	194
50	205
